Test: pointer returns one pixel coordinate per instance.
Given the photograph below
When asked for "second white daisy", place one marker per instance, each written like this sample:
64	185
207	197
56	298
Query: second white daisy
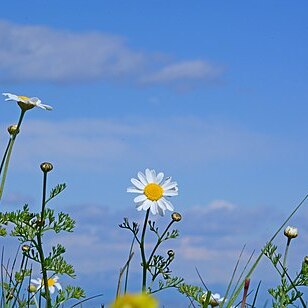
153	190
52	284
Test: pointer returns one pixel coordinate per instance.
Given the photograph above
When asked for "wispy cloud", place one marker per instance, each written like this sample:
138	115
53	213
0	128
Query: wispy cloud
94	143
38	53
184	71
211	238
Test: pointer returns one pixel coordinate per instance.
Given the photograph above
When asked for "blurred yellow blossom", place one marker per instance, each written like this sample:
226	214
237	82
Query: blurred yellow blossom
138	300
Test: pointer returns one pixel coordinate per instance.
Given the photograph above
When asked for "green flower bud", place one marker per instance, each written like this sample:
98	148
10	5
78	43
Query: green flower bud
32	288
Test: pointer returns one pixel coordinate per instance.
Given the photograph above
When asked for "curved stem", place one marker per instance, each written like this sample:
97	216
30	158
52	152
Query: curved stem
8	152
159	240
144	261
236	293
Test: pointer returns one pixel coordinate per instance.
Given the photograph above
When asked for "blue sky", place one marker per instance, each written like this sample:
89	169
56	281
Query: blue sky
212	93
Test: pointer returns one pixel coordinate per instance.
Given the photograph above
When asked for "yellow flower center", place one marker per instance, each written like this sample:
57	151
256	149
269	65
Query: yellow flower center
25	98
51	282
153	191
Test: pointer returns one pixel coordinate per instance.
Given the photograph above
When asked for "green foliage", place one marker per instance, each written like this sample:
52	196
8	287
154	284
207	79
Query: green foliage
195	293
69	292
29	227
287	293
55	191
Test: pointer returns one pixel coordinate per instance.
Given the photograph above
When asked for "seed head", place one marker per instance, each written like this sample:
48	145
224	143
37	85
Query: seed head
12	129
25	248
46	167
176	216
170	253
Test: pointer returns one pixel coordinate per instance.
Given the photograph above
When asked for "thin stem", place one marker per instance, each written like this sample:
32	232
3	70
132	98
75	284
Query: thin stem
144	261
246	286
284	264
236	293
40	246
159	240
127	268
4	155
8	152
22	271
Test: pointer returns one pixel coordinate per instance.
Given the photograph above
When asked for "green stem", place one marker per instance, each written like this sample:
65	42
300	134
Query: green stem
40	246
142	249
127	268
22	269
236	293
159	240
284	264
8	152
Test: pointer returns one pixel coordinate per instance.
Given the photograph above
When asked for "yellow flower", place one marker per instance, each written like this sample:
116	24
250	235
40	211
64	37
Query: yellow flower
139	300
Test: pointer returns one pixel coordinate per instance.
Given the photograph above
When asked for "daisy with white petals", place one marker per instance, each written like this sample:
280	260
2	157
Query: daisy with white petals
25	102
52	283
153	190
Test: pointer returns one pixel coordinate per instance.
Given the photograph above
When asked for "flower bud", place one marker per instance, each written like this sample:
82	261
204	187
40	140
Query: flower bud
32	288
176	216
306	260
170	253
46	167
290	232
39	222
25	248
10	295
12	129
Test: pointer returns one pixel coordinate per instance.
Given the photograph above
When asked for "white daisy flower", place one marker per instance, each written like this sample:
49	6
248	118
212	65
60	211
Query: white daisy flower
52	283
25	102
153	190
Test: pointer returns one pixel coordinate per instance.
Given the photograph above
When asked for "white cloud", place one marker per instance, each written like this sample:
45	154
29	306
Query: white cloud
189	70
98	248
40	53
93	143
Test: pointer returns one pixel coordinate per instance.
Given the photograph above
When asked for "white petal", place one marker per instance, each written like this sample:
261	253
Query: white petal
171	185
161	211
147	204
168	204
43	106
168	180
59	287
36	281
139	206
142	178
137	183
134	190
153	208
170	193
161	204
51	289
140	198
11	97
149	176
159	177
